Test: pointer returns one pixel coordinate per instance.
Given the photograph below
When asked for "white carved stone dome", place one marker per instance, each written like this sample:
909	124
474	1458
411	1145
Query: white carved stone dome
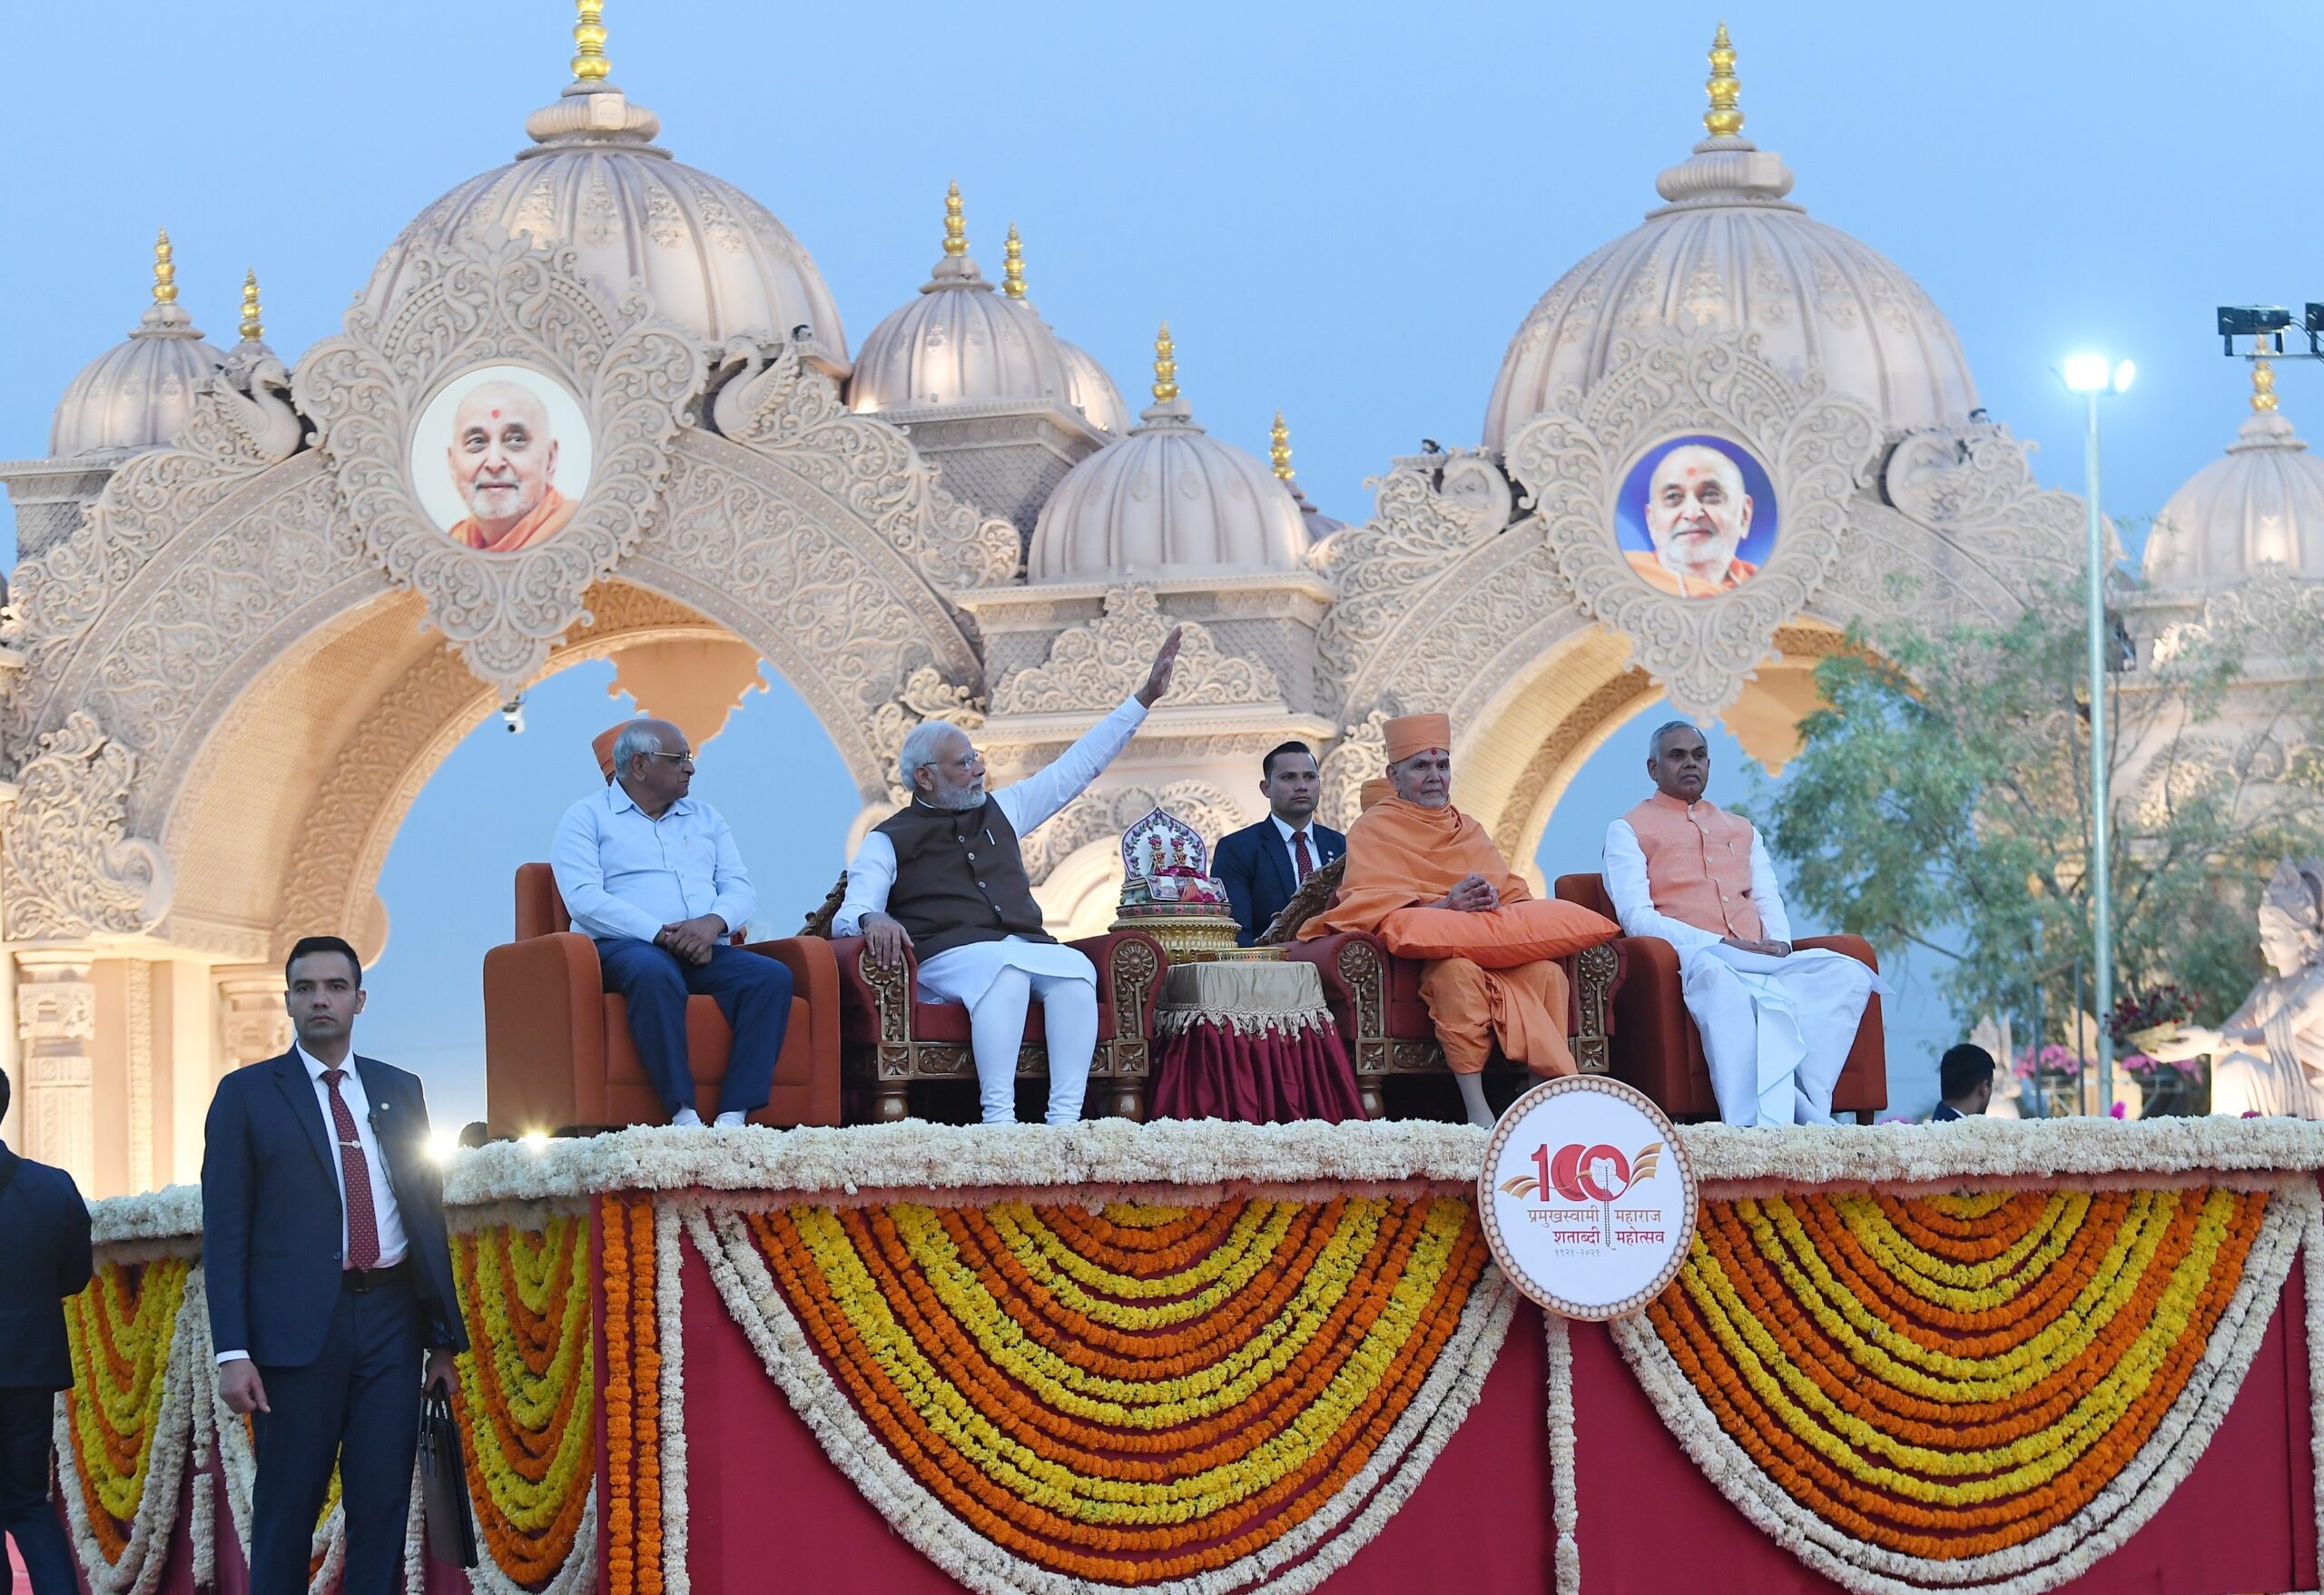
1730	252
2262	504
958	341
138	393
1167	499
1089	390
713	259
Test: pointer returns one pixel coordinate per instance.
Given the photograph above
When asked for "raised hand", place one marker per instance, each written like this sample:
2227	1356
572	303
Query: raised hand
1164	661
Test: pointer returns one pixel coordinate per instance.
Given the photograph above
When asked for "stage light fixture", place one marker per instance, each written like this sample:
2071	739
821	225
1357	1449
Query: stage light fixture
2255	321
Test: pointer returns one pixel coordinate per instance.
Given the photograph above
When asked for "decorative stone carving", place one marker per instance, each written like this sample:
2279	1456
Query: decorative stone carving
254	402
72	868
56	1021
768	401
253	1023
494	301
137	1003
1816	446
1425	516
1097	666
2270	615
926	695
1106	813
1362	753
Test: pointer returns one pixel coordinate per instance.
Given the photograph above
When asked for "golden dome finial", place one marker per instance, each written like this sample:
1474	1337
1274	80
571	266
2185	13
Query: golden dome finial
1722	120
1279	449
252	327
589	63
1166	367
165	271
2263	386
956	224
1012	265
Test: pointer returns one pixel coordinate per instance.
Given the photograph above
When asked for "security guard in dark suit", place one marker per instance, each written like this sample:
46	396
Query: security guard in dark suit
1262	866
45	1242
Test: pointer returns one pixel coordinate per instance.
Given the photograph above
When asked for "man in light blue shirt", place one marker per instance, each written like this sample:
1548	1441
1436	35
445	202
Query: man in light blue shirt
652	875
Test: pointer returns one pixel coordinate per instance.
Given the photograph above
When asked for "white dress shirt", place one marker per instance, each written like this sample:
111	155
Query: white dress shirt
1291	847
623	874
1625	886
390	1218
963	974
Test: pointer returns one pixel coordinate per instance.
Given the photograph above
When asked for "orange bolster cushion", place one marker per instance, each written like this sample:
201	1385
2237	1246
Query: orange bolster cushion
1498	938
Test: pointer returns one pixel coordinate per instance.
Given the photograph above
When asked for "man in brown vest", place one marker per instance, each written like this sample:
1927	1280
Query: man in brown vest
1776	1023
945	876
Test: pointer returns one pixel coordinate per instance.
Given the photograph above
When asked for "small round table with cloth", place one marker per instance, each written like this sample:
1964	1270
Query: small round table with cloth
1251	1042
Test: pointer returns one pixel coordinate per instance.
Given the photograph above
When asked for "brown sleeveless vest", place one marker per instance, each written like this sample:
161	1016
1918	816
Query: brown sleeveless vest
959	878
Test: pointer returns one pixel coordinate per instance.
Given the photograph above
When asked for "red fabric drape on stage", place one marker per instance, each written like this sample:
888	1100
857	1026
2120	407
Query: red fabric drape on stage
1271	1078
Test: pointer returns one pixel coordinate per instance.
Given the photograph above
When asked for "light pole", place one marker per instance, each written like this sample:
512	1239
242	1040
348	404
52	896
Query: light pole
2092	374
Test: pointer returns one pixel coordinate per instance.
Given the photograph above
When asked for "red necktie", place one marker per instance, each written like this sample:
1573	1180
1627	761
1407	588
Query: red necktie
1299	850
362	1222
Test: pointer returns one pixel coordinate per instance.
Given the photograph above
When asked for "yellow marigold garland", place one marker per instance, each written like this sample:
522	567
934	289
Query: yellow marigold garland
1949	1377
526	1389
121	1329
1141	1395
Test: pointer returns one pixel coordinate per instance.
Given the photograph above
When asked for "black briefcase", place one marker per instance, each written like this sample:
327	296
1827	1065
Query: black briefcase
444	1483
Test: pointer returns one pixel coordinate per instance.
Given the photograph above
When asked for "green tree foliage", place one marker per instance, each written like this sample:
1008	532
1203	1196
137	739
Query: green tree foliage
1941	801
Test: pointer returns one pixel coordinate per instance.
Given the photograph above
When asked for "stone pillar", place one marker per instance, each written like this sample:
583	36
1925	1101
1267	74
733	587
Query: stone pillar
253	1024
56	1021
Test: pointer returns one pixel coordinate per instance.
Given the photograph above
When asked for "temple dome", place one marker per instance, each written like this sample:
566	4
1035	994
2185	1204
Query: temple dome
1165	500
2262	504
1090	390
713	259
959	342
1729	252
138	393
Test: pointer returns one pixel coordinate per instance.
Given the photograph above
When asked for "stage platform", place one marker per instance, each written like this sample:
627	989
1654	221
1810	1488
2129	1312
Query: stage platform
1209	1359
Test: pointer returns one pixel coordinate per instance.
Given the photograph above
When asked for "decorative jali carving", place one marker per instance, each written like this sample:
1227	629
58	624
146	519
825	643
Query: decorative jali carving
769	401
926	695
1816	447
1362	753
72	868
1105	814
489	301
2269	616
1097	666
1425	518
56	1021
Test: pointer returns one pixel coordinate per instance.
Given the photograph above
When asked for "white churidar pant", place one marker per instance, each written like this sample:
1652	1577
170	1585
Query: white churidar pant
1774	1030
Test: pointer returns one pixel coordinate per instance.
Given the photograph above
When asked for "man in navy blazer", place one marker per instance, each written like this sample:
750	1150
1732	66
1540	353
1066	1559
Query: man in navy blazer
323	1244
44	1240
1262	866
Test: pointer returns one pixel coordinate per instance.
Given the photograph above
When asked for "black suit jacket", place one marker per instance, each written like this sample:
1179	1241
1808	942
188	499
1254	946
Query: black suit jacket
270	1219
1256	867
44	1240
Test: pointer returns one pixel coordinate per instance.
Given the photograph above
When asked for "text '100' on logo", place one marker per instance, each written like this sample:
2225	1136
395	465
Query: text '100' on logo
1587	1198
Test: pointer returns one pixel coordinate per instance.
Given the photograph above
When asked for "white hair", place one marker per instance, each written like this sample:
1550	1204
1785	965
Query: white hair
919	747
1654	742
639	736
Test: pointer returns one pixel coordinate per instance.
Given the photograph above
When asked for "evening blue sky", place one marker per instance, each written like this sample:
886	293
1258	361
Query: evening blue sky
1343	210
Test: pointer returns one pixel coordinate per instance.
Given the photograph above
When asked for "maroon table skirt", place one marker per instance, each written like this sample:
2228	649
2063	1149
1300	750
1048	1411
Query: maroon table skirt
1250	1041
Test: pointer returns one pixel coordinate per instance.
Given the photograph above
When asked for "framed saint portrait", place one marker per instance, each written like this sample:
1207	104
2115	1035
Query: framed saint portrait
500	458
1697	516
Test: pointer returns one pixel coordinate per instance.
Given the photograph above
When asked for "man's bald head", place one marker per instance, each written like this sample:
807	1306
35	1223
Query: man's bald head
1696	511
503	454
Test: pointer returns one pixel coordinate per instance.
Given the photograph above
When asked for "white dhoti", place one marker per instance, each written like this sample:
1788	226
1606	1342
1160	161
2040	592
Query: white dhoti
1775	1031
996	982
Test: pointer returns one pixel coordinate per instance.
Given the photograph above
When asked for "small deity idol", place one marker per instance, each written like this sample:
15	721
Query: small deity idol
2269	1058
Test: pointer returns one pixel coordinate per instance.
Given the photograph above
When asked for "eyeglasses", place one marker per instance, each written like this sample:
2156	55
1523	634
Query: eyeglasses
685	759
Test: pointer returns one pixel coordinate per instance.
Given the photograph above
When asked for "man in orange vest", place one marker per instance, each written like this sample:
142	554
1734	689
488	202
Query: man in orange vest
1776	1023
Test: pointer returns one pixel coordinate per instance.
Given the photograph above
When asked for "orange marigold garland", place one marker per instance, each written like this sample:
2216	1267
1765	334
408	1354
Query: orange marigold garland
1134	1396
123	1429
1996	1385
633	1397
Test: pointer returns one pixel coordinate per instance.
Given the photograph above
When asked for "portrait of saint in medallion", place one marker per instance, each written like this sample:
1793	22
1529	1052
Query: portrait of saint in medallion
1696	517
500	458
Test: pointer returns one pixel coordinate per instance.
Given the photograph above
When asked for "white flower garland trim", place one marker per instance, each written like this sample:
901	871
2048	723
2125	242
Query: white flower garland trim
1111	1155
1385	1483
669	1309
2312	1279
2120	1508
579	1576
1565	1497
147	1551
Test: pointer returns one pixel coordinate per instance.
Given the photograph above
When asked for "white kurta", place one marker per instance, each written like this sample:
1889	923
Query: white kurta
963	974
1775	1031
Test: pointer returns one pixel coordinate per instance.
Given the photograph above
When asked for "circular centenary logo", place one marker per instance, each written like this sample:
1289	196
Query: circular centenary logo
500	458
1588	1199
1696	517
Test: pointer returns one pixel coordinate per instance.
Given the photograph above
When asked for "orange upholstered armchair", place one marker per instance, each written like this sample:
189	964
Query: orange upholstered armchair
1655	1044
557	1054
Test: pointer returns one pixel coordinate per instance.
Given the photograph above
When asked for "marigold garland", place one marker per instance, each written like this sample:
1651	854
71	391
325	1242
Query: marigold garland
1136	1396
633	1397
525	1397
1954	1377
122	1329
